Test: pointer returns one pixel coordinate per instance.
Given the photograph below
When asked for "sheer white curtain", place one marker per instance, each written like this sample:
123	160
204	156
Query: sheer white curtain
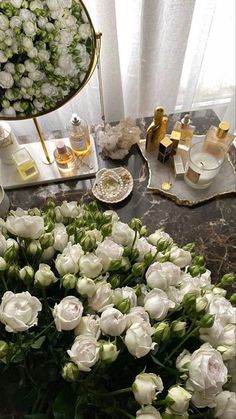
175	53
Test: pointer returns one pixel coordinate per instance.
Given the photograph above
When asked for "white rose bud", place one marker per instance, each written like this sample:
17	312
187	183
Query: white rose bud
183	361
3	244
136	315
70	372
60	237
90	265
108	351
26	274
67	313
122	234
86	287
48	254
138	340
179	398
19	311
180	257
112	322
107	251
44	276
84	352
6	80
225	405
148	412
146	387
3	264
157	304
227	352
69	209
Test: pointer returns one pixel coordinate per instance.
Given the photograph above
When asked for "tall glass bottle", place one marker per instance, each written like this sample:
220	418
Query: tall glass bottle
153	131
79	136
220	134
187	130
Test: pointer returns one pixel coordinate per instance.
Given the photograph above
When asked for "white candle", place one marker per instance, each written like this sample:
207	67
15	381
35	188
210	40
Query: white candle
202	166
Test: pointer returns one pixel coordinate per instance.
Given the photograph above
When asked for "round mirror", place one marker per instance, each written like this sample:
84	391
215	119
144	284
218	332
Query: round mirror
48	51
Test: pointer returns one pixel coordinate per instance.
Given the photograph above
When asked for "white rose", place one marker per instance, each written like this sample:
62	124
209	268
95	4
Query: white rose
136	315
60	237
124	293
36	75
183	361
89	326
221	308
180	257
68	261
44	55
180	399
227	352
157	304
3	59
112	322
8	111
19	311
148	412
67	313
48	254
53	4
207	373
193	284
219	334
29	28
225	405
29	65
161	275
66	3
16	3
27	43
85	30
48	89
26	226
143	291
146	387
6	80
144	247
3	244
159	235
90	265
66	37
10	67
122	234
69	209
138	340
107	251
174	295
84	352
4	22
44	275
103	297
86	287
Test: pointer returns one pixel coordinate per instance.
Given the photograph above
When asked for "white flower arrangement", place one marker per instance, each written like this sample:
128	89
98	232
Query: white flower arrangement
116	322
46	49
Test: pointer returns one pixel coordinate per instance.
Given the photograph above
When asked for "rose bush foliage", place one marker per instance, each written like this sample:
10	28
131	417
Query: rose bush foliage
101	319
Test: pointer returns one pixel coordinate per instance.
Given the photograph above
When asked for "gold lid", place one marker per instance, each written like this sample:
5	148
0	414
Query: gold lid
175	135
158	115
166	142
222	130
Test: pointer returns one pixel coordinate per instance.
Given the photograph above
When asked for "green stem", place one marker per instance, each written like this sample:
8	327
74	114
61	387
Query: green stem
127	280
135	237
128	415
116	392
192	332
40	334
170	370
4	282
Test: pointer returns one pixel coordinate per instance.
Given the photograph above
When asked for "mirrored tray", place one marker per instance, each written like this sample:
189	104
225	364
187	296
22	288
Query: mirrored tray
113	185
163	174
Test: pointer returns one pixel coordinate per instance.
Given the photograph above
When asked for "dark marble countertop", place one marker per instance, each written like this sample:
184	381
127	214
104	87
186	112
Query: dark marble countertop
211	225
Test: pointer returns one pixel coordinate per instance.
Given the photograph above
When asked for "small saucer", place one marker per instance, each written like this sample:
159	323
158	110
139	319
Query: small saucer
112	185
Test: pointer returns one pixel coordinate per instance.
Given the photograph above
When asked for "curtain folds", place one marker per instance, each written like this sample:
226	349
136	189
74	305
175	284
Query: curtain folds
156	52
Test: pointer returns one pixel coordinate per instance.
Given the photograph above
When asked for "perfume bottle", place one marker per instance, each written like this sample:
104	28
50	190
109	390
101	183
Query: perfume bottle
187	130
154	131
25	164
79	136
220	134
64	157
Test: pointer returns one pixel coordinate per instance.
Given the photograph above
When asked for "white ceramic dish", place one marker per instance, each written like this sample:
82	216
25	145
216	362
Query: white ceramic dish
4	202
113	185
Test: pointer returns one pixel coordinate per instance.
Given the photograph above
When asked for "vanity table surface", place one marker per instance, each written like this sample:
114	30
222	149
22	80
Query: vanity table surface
211	225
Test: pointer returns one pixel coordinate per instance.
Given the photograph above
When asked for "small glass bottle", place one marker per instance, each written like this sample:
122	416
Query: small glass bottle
64	157
25	164
79	136
187	130
220	134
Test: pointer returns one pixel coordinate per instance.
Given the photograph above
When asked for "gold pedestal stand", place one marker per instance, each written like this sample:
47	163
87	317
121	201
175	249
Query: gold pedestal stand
48	158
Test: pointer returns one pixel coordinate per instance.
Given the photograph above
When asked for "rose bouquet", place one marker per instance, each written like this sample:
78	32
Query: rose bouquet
45	53
100	319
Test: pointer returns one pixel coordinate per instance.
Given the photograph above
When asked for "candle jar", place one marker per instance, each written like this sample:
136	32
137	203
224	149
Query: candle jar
204	162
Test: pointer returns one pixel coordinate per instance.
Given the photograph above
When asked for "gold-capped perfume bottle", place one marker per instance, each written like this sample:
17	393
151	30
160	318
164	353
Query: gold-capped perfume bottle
78	132
220	134
64	157
187	130
153	131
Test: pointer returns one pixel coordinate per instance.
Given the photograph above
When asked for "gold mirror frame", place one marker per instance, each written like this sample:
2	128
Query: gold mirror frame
96	40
